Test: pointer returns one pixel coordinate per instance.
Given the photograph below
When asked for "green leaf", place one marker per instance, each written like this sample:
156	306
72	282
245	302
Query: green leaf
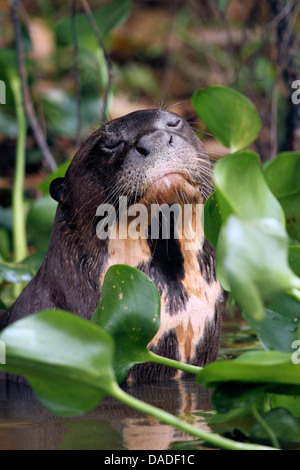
5	243
58	173
10	272
246	253
279	327
107	18
291	205
60	111
283	178
283	174
21	272
129	310
212	219
291	403
40	221
241	188
294	259
231	117
253	367
67	360
284	425
6	218
234	400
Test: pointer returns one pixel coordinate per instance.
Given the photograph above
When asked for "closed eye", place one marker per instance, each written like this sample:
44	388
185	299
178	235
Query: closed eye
113	145
174	123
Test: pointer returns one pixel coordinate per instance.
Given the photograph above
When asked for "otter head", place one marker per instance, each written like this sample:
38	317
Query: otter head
150	156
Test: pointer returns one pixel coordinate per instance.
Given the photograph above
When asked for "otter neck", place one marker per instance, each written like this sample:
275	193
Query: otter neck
76	263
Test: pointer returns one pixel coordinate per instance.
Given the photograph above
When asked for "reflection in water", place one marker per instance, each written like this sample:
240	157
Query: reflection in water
25	424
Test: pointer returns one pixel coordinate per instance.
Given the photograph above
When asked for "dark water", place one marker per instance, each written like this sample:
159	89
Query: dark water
26	425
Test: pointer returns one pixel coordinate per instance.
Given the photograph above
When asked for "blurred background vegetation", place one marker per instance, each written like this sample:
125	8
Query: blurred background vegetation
80	62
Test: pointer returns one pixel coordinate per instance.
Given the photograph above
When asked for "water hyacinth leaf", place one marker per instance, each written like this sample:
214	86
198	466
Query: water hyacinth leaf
291	403
283	174
5	243
212	220
283	178
291	208
40	221
15	272
242	190
271	367
280	326
233	400
281	421
230	116
246	252
67	360
6	218
129	310
60	112
108	17
294	259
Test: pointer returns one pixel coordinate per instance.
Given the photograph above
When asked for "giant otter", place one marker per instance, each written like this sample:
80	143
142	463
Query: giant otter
149	156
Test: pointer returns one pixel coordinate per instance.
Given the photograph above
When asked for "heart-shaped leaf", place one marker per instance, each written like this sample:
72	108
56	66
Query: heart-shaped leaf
291	205
283	178
291	403
280	326
230	116
129	310
252	367
246	253
284	425
241	188
294	259
15	272
283	174
67	360
108	17
40	222
212	220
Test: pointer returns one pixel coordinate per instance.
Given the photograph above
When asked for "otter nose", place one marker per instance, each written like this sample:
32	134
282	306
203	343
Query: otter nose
150	143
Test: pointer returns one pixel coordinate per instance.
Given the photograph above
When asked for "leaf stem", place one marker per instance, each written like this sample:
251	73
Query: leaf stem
209	437
19	223
296	293
174	364
265	426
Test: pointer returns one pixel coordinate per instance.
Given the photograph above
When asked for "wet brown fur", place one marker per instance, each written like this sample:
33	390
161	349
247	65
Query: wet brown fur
128	157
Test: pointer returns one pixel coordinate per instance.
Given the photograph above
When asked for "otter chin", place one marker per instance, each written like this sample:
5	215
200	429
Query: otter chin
169	188
151	157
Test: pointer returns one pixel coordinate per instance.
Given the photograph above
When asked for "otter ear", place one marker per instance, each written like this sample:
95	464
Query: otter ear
58	189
